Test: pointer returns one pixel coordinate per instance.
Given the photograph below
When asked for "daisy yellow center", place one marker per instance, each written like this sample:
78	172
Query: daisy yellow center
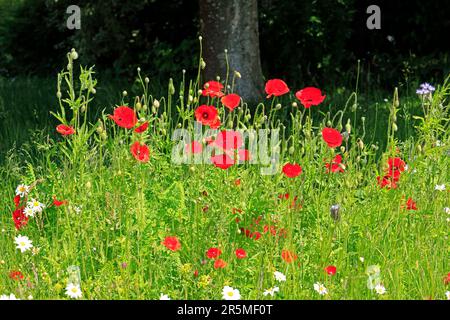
74	290
22	244
230	293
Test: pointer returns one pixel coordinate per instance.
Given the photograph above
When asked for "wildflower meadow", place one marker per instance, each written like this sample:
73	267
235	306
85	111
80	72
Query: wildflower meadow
198	195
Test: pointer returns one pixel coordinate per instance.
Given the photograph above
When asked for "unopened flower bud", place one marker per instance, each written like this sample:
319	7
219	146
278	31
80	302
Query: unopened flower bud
59	95
156	103
202	64
124	93
147	80
138	106
294	104
291	150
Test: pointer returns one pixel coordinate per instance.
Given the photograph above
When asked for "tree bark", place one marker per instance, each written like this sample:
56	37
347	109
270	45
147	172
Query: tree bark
232	25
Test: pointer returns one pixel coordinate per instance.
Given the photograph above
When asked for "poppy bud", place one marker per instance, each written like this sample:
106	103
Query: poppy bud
329	124
74	54
291	150
360	144
179	125
99	129
334	212
164	132
294	104
354	107
237	74
103	135
171	87
339	127
342	149
124	93
144	107
138	106
278	106
419	148
147	80
190	98
202	64
348	126
59	95
230	123
363	119
156	103
93	91
83	108
200	38
394	126
218	78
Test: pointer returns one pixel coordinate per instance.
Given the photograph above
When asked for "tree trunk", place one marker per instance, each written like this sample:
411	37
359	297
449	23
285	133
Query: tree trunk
232	25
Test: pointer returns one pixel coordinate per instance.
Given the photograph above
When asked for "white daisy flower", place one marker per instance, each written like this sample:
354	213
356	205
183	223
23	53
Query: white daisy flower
439	187
320	288
380	289
23	243
447	294
29	212
447	210
22	190
271	291
279	276
230	293
8	297
164	297
73	291
78	209
35	205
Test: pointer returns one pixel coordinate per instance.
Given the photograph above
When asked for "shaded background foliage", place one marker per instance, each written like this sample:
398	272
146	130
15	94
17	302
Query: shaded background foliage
304	42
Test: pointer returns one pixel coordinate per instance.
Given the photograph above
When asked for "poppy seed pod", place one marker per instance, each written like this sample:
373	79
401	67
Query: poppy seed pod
334	212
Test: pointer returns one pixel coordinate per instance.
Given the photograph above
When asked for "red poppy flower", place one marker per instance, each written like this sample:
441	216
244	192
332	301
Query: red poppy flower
292	170
20	219
276	87
222	161
124	117
240	253
228	140
219	264
310	96
196	273
17	201
58	203
65	130
141	128
331	270
387	181
231	101
213	253
215	124
16	275
140	152
332	137
288	256
410	204
447	279
213	89
396	164
336	165
237	182
193	147
207	115
172	243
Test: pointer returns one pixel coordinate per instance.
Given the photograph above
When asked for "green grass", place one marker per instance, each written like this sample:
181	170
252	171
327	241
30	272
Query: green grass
128	208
